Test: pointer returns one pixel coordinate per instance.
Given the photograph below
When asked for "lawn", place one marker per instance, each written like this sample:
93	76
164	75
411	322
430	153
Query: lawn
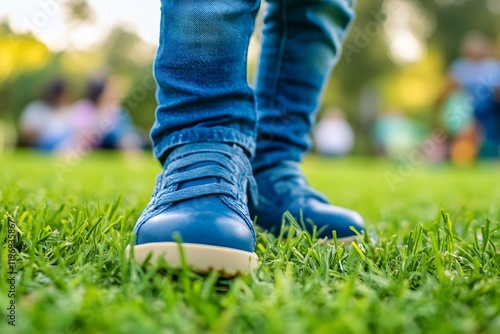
430	261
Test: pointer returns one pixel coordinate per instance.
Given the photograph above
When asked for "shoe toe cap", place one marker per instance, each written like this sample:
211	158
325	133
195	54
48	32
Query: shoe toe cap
217	226
329	218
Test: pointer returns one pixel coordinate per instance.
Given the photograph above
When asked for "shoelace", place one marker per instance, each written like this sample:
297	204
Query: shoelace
231	168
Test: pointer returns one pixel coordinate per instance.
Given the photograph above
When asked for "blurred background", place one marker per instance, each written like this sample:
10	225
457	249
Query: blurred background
415	76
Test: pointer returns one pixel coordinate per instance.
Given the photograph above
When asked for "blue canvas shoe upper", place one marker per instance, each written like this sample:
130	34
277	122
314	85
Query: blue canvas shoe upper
284	188
201	197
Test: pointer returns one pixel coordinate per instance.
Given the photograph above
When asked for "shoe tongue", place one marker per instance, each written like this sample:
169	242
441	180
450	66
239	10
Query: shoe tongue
200	181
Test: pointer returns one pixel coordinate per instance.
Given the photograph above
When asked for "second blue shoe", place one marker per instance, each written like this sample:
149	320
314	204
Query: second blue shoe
284	188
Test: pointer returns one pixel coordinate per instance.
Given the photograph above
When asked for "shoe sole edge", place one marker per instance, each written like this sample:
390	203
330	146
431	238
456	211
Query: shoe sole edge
200	258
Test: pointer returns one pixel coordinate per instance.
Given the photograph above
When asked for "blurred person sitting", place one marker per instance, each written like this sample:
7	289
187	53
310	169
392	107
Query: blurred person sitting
100	120
469	111
333	135
45	123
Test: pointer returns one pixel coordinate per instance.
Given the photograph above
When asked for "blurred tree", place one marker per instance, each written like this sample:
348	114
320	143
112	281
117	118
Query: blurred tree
455	18
78	10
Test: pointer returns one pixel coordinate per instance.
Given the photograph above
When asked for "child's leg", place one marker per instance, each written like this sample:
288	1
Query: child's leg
302	43
201	72
203	136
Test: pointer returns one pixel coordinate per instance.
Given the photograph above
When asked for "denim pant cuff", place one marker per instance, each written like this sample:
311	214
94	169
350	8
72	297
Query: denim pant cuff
223	135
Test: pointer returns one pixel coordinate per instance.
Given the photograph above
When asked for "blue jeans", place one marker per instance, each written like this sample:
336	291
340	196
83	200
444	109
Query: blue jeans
201	71
487	113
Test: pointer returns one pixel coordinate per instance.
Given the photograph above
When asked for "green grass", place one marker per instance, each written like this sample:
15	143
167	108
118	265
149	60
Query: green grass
430	261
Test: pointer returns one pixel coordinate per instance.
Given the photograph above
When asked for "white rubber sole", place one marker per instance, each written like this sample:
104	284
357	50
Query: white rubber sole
199	258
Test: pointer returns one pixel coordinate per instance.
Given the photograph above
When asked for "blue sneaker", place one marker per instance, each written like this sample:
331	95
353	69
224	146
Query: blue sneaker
284	188
200	199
